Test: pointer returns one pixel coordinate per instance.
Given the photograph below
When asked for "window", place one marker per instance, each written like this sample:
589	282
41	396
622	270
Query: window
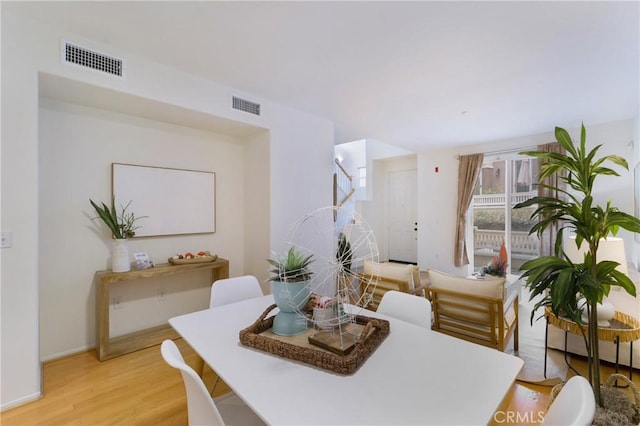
362	177
504	181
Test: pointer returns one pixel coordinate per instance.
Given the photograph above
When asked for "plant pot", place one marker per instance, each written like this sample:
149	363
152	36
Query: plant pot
619	408
120	261
291	299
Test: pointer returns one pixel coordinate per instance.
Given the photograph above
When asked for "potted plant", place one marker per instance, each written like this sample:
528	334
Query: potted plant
290	275
344	260
498	265
122	226
560	282
344	254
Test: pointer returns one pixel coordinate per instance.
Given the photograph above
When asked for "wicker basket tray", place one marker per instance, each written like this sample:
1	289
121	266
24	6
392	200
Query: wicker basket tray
259	336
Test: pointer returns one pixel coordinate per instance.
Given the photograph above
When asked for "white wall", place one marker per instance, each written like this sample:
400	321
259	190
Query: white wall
298	158
20	368
353	155
377	150
76	148
636	164
437	209
437	192
257	215
301	170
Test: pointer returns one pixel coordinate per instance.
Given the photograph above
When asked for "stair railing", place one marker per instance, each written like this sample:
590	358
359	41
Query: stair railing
342	185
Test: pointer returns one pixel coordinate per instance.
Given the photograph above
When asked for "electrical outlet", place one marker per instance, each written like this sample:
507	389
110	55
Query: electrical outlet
117	302
6	239
162	295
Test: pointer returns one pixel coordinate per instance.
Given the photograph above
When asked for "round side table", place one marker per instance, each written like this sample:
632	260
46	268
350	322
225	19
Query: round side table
622	328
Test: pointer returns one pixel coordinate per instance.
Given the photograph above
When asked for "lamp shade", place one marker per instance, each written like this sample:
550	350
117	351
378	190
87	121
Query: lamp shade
611	248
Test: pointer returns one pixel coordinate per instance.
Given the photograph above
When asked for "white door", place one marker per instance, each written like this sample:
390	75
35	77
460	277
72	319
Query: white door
403	224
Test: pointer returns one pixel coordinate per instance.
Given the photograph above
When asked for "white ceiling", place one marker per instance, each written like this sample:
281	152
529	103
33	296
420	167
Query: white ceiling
413	74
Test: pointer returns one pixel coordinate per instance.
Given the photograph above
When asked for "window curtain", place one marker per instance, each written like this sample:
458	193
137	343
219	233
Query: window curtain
468	172
548	237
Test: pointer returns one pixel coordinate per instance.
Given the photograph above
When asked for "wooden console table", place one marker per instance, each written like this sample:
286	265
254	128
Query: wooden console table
108	347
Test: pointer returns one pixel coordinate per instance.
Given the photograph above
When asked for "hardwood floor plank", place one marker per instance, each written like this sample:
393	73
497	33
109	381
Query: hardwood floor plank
140	389
134	389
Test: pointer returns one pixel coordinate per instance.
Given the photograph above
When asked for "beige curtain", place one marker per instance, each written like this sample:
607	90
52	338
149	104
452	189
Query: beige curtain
468	172
548	237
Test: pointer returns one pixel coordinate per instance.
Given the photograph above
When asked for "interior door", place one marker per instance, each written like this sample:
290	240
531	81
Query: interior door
403	224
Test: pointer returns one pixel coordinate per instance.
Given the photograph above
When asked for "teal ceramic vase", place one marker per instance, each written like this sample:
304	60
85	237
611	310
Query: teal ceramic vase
291	299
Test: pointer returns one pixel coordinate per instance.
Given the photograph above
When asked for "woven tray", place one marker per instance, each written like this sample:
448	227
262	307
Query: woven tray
259	336
198	259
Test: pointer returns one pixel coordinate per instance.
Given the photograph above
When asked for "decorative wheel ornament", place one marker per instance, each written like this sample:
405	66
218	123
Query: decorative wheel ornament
340	241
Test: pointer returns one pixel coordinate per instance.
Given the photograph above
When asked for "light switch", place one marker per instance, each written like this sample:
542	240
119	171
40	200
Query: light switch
6	238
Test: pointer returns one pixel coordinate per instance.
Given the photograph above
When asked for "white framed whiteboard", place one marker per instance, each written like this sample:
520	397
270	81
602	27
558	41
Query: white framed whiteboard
174	201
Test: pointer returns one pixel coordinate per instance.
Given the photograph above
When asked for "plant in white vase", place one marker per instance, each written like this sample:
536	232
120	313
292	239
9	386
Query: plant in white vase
122	226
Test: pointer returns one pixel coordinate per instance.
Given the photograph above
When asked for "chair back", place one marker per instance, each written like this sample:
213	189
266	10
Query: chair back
406	307
575	405
201	408
231	290
473	309
388	276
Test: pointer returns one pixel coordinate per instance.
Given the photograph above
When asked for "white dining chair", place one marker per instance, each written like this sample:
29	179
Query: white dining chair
575	405
227	291
406	307
231	290
202	409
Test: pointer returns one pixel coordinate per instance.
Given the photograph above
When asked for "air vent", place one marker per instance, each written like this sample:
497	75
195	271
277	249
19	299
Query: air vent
246	106
74	54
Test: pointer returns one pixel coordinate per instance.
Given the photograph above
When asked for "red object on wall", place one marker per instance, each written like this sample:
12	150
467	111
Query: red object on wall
437	169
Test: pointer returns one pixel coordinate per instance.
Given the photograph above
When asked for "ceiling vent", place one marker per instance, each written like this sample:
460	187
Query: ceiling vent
246	106
74	54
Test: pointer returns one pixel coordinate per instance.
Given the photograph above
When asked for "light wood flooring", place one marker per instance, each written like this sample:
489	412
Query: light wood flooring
140	389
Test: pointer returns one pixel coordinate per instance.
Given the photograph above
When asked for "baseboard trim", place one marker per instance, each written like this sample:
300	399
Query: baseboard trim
21	401
68	353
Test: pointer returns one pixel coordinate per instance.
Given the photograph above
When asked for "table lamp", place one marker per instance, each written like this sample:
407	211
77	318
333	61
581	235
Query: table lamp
611	248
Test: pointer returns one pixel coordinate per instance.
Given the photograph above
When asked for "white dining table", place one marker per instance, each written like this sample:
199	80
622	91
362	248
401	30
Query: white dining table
416	376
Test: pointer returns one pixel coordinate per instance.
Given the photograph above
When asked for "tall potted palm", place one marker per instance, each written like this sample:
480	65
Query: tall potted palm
559	281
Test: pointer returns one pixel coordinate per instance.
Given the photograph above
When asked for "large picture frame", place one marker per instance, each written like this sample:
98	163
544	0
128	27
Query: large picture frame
172	201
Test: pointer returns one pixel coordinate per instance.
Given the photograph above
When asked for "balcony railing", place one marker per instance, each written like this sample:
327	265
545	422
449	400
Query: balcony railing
488	242
497	200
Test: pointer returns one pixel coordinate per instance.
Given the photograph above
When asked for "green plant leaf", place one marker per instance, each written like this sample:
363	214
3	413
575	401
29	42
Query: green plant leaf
556	279
292	267
121	226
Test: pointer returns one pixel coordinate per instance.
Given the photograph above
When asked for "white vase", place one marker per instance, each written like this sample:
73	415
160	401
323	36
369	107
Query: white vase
120	256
